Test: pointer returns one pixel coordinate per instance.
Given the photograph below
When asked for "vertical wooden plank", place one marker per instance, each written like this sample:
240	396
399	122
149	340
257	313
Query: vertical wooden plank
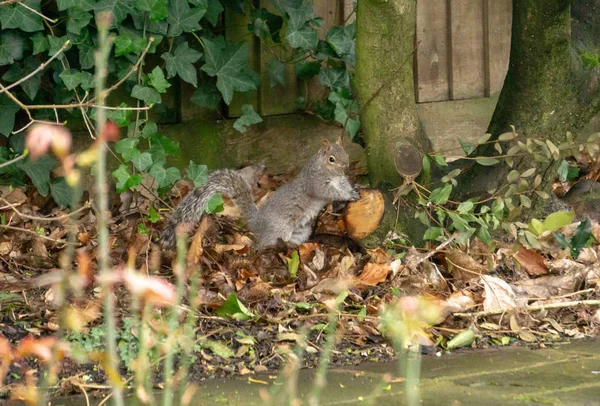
500	29
450	45
236	30
278	99
432	52
467	49
486	47
349	14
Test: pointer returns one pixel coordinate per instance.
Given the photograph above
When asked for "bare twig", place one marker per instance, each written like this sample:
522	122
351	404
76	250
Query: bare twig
24	230
12	161
39	68
63	217
7	2
37	12
562	305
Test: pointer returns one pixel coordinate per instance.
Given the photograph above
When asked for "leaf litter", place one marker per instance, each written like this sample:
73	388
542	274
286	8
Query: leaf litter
253	307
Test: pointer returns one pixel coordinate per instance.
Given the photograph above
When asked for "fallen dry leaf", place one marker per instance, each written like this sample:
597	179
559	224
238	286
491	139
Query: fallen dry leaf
373	274
498	294
531	261
196	249
462	265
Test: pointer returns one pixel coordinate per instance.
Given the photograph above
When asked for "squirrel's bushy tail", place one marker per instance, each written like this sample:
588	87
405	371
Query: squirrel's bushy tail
193	205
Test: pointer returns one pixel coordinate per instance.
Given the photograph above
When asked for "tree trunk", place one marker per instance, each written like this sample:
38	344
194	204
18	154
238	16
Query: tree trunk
547	90
384	44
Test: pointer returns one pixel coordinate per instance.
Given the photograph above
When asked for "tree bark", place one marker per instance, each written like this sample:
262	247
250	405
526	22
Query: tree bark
384	45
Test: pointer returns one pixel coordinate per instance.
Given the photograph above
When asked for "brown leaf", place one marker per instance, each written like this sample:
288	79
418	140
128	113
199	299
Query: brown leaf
379	256
531	261
196	249
16	197
39	248
306	250
373	274
462	266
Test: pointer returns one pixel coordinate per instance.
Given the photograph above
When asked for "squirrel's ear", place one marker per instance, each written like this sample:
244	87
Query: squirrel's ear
326	144
340	141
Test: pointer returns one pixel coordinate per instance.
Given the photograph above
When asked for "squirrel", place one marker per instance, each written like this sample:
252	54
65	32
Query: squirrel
289	214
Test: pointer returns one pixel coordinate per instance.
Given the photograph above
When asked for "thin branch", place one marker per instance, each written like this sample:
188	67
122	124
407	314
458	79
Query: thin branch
562	305
41	67
26	216
7	2
37	12
12	161
24	230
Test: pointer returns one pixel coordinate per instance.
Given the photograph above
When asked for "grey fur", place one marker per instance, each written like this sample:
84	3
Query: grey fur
289	214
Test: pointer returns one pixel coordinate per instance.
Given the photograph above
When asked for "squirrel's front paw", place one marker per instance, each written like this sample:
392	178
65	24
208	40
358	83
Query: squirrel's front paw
354	196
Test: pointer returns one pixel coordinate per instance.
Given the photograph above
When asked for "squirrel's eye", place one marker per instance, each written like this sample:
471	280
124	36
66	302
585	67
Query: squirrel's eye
332	159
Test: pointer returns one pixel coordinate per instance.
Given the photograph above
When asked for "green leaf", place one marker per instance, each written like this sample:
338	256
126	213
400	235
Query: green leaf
440	195
462	339
182	18
39	172
40	43
433	233
157	80
293	264
78	20
558	220
150	129
276	72
197	174
458	222
248	117
299	33
426	164
214	8
142	161
342	43
215	204
229	63
486	161
217	348
127	147
180	63
18	70
9	110
561	239
56	43
484	235
156	8
232	308
127	44
86	55
307	70
536	227
467	147
581	237
12	46
265	25
465	207
119	8
334	77
146	94
17	16
86	5
164	177
483	139
440	160
125	180
206	95
154	217
563	171
61	192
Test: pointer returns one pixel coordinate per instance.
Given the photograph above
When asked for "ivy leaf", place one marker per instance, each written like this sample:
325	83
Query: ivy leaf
265	25
11	47
127	147
56	43
433	233
214	8
248	117
467	147
142	161
180	63
230	65
156	8
206	95
304	37
182	18
78	19
71	78
164	177
61	192
334	77
125	180
119	8
17	71
86	55
39	172
126	44
197	174
276	72
146	94
40	43
307	70
7	118
157	80
17	16
150	129
581	237
215	204
86	5
341	42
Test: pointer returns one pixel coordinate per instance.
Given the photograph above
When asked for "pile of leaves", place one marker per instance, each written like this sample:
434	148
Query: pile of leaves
254	306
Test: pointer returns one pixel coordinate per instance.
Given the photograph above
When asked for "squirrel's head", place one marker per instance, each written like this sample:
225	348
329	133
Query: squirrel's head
334	157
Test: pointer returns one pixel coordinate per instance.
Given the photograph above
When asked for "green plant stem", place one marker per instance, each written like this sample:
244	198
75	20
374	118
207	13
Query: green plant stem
173	321
101	59
189	333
